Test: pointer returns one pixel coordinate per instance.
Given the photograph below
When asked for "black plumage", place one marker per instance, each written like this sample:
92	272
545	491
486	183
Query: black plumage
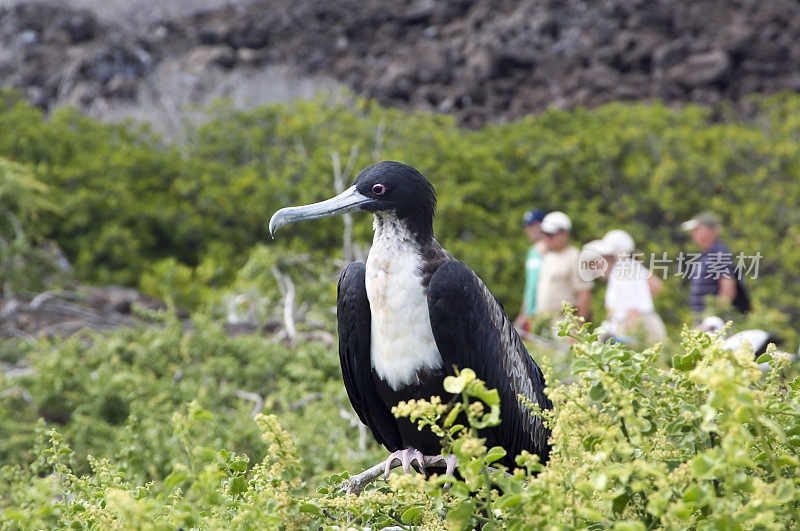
467	323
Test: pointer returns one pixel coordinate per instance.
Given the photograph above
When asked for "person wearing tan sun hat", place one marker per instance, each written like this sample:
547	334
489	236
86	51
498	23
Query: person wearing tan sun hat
560	279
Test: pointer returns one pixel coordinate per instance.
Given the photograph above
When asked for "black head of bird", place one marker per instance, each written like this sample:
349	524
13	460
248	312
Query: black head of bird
414	314
387	186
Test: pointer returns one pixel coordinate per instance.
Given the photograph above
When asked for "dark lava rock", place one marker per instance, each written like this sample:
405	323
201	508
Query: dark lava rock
482	60
701	69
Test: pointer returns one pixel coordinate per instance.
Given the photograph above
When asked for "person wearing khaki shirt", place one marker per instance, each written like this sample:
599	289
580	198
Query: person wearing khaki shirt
559	278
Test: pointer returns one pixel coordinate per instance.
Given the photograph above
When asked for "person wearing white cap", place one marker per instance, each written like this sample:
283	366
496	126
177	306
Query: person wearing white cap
629	295
559	279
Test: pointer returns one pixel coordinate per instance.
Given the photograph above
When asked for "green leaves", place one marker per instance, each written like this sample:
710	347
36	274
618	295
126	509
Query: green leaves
686	362
634	444
710	442
135	210
176	478
460	516
697	495
488	396
596	392
412	515
238	486
456	384
494	454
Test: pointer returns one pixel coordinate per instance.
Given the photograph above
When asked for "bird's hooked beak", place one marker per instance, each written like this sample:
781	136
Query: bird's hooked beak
347	201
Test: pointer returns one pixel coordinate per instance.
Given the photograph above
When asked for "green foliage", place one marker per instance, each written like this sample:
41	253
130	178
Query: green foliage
23	199
122	203
21	194
136	211
153	427
116	397
712	443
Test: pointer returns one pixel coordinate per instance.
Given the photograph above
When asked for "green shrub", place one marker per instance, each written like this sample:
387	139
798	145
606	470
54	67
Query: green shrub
24	264
137	211
113	396
152	426
711	443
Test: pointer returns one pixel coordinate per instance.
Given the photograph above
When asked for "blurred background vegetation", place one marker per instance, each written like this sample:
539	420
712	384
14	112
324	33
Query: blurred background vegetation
187	223
180	220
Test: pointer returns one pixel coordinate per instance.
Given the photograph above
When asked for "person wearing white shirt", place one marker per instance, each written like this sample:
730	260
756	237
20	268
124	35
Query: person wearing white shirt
629	295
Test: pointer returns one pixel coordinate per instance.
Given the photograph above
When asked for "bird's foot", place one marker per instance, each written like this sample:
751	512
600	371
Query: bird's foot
450	461
406	458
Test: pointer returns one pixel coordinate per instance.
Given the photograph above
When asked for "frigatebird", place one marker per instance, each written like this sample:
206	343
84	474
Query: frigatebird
413	314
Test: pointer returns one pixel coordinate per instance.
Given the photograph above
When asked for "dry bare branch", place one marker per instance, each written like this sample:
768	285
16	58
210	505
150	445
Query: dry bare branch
288	290
378	147
340	177
21	391
303	402
356	423
253	397
326	338
15	371
19	334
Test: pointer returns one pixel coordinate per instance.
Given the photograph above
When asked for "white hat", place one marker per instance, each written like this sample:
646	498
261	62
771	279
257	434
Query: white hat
599	247
556	222
619	241
592	261
712	323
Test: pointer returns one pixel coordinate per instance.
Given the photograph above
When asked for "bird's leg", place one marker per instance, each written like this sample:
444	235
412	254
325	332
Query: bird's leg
356	483
406	458
450	461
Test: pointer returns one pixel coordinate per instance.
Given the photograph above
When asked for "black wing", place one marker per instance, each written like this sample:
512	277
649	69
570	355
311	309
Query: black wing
471	330
354	321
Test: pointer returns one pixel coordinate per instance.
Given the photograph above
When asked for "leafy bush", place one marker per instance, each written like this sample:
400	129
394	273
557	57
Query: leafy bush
24	265
137	211
153	426
710	443
115	397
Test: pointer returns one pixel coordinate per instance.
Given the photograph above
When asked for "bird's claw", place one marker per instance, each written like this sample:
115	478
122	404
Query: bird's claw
409	455
450	461
406	458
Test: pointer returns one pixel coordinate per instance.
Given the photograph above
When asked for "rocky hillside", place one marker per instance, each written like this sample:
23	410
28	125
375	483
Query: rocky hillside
482	61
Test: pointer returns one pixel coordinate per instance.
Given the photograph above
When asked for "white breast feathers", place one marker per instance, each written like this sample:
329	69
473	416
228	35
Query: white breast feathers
402	341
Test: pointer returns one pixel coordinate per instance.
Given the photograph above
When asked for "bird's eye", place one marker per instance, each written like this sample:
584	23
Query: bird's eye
378	189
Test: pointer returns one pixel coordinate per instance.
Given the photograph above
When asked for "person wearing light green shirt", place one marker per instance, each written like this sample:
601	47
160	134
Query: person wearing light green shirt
533	262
